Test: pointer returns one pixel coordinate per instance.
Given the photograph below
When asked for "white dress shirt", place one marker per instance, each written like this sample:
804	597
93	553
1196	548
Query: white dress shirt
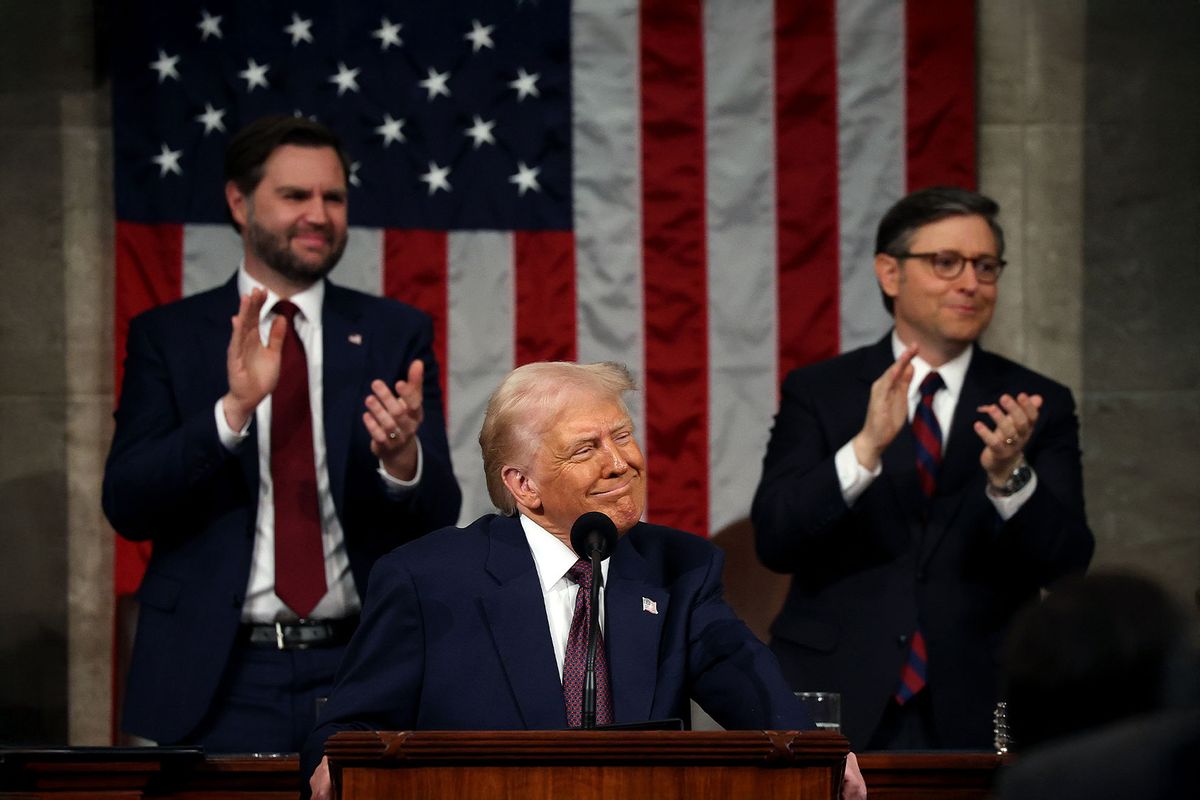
554	560
854	478
341	597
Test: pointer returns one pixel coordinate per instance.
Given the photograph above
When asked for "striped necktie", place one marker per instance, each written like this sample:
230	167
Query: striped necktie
928	435
575	660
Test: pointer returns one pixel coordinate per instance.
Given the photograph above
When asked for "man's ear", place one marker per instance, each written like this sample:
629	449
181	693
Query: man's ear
522	487
887	272
238	203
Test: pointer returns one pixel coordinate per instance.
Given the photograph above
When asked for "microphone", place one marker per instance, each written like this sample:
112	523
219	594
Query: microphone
594	537
593	533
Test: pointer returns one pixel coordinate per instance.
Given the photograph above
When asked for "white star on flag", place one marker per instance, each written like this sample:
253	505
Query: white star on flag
388	34
353	179
346	79
209	25
481	132
254	74
525	84
436	178
435	84
300	29
390	130
480	36
213	119
168	161
526	178
165	66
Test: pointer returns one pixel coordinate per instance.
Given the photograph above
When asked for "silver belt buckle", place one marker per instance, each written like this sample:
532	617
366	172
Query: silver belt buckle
279	635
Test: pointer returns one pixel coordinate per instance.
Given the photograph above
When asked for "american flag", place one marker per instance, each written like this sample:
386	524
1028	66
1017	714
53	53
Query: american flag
690	188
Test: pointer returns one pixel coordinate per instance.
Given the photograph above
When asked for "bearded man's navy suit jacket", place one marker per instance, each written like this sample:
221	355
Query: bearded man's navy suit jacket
865	576
454	636
170	480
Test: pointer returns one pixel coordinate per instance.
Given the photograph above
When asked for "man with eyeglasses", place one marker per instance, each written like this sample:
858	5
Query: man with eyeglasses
919	491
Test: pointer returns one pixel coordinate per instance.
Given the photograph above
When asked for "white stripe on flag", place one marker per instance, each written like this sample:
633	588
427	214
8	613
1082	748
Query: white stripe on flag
607	187
361	266
479	351
740	188
211	254
871	152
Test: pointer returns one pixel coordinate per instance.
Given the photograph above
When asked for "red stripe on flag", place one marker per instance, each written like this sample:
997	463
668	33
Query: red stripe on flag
674	266
415	272
806	181
545	290
940	68
149	272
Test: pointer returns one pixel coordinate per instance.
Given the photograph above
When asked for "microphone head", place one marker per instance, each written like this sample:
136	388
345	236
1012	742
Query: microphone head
593	532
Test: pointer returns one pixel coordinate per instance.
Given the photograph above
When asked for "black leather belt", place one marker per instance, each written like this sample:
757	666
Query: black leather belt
299	635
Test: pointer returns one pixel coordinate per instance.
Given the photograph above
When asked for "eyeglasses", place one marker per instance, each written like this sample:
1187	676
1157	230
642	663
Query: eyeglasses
948	264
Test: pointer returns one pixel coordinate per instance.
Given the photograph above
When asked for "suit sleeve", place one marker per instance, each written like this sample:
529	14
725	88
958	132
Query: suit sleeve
1049	535
379	680
735	678
799	498
163	459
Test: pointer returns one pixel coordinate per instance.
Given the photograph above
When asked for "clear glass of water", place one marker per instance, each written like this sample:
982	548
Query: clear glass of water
825	708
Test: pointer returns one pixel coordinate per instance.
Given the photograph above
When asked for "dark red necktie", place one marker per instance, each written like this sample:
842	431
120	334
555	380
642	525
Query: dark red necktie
928	435
575	662
299	554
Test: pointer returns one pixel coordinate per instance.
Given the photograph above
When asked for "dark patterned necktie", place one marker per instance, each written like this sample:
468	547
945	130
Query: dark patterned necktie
575	660
299	554
928	435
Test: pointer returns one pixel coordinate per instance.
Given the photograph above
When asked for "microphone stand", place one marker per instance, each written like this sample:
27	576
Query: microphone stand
588	719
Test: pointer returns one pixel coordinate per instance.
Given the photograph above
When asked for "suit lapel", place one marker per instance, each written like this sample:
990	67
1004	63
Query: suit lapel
899	459
960	469
516	614
633	633
345	344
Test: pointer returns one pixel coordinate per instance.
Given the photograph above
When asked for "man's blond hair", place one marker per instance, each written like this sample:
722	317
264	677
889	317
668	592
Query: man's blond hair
520	409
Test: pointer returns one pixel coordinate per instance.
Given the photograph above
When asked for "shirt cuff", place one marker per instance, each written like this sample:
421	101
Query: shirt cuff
396	487
230	438
853	477
1007	507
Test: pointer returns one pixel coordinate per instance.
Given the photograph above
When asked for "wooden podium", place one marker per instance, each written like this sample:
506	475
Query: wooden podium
586	765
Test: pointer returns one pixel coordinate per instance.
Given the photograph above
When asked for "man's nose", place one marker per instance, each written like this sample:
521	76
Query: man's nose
616	462
316	212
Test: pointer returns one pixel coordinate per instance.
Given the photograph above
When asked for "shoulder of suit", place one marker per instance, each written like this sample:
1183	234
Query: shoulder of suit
376	305
846	367
195	306
1017	376
658	540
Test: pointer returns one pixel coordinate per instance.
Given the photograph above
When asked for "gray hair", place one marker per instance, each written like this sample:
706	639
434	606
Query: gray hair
514	422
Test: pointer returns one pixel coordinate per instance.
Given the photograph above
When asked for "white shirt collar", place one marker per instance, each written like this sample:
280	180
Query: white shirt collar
551	557
308	301
953	372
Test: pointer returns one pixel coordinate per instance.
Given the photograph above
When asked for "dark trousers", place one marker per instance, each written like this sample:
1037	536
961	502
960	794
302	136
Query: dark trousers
268	699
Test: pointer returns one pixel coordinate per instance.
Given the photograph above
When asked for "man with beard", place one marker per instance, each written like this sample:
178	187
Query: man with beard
272	465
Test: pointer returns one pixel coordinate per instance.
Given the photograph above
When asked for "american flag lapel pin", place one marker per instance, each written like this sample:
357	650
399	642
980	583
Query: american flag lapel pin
649	606
355	338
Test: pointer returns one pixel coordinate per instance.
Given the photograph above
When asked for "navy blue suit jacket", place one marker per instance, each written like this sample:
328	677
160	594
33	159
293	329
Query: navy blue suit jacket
865	576
454	637
169	479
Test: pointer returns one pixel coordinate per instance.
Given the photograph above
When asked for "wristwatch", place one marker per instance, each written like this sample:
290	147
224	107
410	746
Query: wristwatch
1018	479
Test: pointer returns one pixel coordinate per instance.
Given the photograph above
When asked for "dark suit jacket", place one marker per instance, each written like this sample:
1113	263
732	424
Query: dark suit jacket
169	479
864	577
454	637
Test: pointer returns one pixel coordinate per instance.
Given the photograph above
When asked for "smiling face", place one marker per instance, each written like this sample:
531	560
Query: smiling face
587	460
942	317
294	223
